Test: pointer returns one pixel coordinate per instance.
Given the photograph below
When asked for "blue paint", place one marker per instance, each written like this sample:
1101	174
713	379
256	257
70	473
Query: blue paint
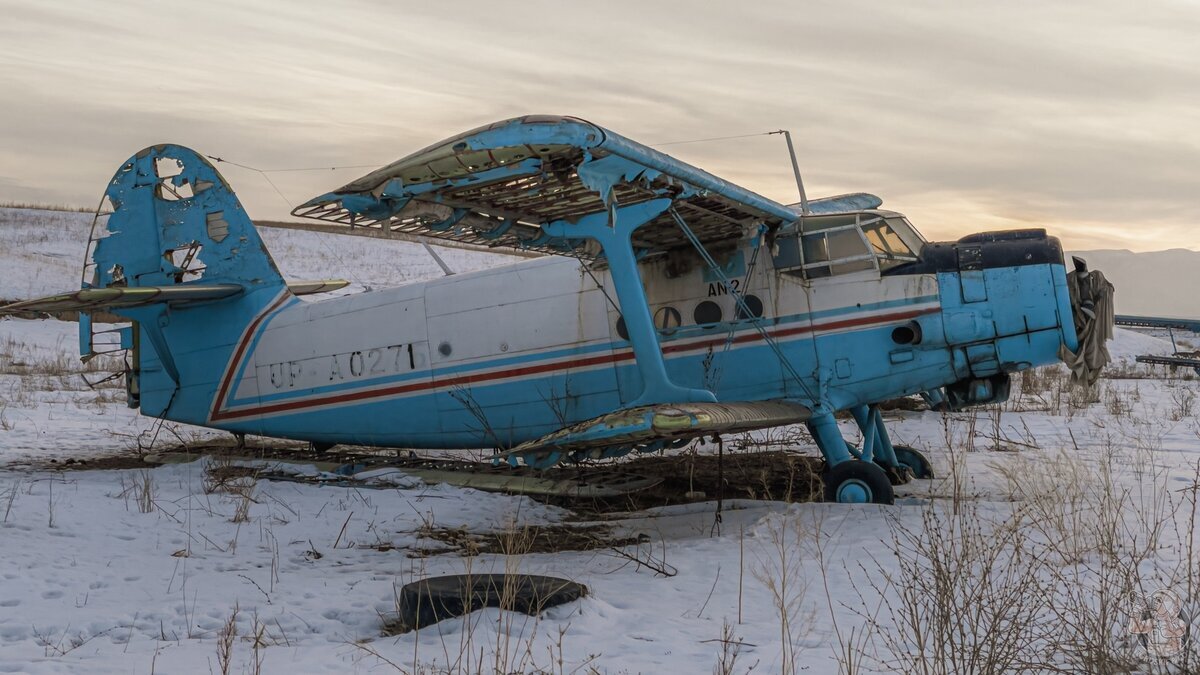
854	491
857	201
613	230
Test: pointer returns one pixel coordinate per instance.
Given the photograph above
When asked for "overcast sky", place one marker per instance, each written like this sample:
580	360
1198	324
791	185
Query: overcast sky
966	116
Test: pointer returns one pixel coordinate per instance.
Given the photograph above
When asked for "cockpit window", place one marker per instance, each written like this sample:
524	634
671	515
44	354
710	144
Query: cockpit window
843	243
830	252
887	244
815	248
907	233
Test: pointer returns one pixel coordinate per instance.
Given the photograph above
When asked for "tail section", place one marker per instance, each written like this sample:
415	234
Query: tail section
175	253
176	227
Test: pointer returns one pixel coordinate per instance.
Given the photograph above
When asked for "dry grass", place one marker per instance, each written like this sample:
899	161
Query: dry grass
39	206
140	489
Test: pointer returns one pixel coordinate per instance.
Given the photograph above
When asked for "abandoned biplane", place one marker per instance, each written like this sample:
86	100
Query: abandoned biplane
671	305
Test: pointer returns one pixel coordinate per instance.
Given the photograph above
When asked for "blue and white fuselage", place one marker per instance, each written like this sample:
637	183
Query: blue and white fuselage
507	355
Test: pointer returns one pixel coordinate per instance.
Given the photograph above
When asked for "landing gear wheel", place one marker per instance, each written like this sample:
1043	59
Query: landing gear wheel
898	475
858	482
913	459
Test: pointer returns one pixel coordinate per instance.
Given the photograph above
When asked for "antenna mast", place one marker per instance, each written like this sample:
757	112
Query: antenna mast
787	135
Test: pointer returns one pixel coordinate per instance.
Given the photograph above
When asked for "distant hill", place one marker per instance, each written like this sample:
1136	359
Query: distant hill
1156	283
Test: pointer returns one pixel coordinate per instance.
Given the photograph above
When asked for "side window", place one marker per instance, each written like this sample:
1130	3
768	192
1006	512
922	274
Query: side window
815	248
846	244
834	252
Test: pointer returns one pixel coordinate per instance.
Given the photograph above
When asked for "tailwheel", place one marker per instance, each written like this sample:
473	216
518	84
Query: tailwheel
916	462
858	482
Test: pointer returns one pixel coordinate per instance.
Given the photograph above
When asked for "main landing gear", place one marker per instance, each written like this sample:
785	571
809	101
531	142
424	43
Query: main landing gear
866	476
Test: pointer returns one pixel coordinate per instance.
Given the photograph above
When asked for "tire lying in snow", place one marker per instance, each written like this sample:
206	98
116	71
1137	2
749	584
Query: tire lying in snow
426	602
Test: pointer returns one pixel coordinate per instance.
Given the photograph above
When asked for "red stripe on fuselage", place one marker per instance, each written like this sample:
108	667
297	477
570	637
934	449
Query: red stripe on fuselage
247	335
410	387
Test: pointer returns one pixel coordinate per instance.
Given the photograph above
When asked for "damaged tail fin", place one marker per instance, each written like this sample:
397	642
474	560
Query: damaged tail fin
179	257
174	220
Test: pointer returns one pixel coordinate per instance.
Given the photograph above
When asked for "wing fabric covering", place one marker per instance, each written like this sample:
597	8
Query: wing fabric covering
652	427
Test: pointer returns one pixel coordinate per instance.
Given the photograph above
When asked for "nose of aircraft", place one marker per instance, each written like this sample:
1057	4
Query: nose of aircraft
1008	304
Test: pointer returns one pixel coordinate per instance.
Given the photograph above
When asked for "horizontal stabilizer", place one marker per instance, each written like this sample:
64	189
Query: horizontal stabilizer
318	286
88	299
113	297
652	425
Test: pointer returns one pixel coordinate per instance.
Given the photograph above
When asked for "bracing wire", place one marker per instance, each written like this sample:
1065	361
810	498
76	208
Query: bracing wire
716	138
333	252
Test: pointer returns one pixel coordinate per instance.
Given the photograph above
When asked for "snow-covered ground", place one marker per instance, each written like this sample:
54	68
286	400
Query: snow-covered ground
1049	516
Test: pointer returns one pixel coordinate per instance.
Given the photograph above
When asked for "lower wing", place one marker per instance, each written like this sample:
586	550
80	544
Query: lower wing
652	427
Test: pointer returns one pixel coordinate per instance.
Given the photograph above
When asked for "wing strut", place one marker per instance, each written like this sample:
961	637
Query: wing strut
612	229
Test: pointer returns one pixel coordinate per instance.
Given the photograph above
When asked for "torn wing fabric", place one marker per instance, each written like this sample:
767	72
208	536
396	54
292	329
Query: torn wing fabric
1092	310
634	428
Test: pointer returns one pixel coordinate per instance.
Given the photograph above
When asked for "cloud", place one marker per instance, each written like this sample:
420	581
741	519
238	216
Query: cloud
964	115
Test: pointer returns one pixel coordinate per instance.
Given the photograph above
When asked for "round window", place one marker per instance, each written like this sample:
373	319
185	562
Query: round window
754	305
707	312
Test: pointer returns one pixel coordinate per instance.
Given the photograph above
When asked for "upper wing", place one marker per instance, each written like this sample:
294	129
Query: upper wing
498	185
653	425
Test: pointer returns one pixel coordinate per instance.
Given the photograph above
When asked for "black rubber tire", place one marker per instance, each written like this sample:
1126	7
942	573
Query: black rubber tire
426	602
322	448
867	476
898	475
918	463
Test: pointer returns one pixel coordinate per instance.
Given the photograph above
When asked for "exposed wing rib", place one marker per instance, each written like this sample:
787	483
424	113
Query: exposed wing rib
633	427
497	186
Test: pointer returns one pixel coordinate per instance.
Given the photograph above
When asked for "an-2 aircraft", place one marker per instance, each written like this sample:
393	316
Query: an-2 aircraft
673	305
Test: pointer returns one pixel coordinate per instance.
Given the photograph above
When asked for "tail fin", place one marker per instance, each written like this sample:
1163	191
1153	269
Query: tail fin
176	221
